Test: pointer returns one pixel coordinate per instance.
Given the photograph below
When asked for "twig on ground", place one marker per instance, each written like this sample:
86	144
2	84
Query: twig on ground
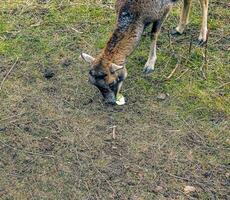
191	128
36	24
182	74
4	79
224	36
76	30
223	85
173	71
114	132
178	177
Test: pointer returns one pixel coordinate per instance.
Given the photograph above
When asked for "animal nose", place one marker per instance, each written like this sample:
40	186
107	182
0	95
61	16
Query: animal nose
110	98
110	101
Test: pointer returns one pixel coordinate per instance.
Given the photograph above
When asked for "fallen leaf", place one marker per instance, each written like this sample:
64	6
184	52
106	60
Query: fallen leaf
188	189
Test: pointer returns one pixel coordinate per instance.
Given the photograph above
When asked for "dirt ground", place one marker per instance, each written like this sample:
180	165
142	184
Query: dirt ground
58	140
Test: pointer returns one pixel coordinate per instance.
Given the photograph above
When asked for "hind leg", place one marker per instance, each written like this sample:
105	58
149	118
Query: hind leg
184	16
204	25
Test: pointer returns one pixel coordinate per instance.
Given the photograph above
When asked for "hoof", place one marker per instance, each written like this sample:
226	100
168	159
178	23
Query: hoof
174	32
201	42
148	70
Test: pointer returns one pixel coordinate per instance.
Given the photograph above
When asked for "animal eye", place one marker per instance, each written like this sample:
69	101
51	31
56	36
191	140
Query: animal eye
100	76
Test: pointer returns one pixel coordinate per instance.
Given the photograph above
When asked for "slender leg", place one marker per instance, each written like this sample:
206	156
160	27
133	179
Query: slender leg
184	16
149	66
204	26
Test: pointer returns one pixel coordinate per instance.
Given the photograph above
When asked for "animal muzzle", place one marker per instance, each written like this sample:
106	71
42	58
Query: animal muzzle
109	95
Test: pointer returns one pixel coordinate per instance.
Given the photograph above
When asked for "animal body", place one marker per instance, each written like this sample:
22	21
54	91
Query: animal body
107	70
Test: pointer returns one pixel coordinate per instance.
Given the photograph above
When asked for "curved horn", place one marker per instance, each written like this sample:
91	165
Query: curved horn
87	58
115	67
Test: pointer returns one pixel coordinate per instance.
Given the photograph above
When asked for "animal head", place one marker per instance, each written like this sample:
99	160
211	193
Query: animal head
106	76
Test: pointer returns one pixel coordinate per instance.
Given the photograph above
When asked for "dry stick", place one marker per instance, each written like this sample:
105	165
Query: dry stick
8	73
223	85
182	74
178	64
189	53
76	30
190	127
186	59
173	71
226	35
114	132
178	177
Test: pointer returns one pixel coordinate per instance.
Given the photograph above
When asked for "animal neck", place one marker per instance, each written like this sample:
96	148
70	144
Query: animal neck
122	43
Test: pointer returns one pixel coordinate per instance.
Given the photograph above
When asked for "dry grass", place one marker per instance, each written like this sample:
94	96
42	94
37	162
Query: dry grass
56	135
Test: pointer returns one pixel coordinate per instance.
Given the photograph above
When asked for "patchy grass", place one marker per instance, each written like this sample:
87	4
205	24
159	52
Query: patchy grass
56	133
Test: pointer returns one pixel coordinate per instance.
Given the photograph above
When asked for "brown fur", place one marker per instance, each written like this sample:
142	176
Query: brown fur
122	43
132	17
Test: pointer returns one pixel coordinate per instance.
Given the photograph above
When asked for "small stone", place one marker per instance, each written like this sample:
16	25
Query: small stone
161	96
158	189
188	189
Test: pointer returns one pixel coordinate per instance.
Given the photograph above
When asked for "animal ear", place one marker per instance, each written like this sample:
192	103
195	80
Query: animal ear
115	67
87	58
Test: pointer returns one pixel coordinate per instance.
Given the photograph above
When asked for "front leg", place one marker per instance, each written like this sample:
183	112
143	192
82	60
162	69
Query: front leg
204	26
149	66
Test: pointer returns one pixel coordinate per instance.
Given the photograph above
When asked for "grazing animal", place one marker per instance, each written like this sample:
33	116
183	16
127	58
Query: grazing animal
108	70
